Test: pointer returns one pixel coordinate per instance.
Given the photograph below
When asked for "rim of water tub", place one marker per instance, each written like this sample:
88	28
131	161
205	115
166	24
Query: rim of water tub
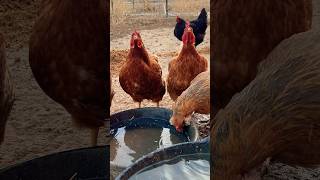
171	152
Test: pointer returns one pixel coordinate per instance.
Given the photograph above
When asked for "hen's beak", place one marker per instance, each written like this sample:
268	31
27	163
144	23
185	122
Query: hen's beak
137	42
135	37
179	128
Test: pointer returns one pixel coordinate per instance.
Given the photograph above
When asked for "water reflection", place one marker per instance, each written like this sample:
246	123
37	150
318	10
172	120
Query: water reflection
130	144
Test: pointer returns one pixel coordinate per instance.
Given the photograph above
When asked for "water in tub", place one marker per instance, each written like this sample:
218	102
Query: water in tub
182	167
129	145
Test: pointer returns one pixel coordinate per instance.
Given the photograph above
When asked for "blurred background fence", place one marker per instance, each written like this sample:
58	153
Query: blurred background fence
156	8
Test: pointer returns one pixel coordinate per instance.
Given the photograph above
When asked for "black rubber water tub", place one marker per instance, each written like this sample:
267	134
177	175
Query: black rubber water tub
145	118
149	117
79	164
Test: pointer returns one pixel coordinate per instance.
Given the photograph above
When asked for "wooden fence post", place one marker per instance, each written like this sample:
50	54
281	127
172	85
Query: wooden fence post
112	6
167	8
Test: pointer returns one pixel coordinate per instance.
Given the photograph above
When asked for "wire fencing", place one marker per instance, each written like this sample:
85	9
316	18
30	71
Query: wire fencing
157	8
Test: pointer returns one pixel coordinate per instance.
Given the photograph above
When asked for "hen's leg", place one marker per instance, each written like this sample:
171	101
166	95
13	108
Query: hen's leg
94	136
158	104
139	104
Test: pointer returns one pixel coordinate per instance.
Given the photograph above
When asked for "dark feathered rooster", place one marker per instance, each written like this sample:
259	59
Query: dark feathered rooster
68	57
276	116
6	90
199	27
244	32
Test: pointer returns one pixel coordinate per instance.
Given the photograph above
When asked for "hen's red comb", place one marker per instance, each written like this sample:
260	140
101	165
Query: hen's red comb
135	32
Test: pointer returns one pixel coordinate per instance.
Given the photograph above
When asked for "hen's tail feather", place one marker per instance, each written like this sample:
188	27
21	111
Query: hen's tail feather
203	14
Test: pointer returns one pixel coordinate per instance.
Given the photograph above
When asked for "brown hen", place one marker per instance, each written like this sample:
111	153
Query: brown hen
244	32
276	115
141	75
68	57
186	66
6	90
196	98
